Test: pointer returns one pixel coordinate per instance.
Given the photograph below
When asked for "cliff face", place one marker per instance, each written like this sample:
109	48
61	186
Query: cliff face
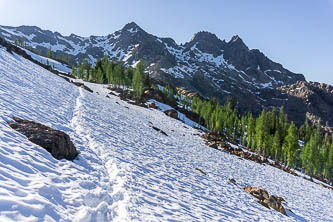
311	99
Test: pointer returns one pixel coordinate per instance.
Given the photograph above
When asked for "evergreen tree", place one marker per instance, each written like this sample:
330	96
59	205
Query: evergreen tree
308	131
261	131
109	74
251	131
138	81
80	70
118	75
100	76
244	130
290	146
129	76
309	155
49	53
329	164
323	161
276	146
15	40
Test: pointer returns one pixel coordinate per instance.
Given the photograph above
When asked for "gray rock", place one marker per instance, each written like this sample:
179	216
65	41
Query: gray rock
54	141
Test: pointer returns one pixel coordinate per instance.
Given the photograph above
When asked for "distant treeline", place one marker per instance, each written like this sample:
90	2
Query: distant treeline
115	73
61	57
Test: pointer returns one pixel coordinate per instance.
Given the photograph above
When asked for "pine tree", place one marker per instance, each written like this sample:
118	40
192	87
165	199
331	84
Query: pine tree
308	131
276	146
283	123
261	131
49	53
251	131
244	132
305	157
308	158
118	75
290	146
129	76
138	81
329	164
80	71
100	77
15	40
324	154
109	74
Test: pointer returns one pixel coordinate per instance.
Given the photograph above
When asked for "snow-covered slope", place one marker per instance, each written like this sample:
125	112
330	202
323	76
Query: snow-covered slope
126	171
47	61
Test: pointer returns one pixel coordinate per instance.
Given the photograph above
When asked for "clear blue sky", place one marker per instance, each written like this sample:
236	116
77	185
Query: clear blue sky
295	33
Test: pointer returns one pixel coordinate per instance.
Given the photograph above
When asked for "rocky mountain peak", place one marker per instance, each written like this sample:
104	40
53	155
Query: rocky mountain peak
132	27
237	42
28	28
204	36
206	42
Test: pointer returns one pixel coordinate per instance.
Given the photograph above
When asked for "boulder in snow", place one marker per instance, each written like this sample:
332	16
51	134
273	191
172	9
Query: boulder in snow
152	105
159	130
266	200
55	142
81	85
172	113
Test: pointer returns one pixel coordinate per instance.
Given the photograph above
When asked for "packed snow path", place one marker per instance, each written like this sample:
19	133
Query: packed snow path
34	186
126	171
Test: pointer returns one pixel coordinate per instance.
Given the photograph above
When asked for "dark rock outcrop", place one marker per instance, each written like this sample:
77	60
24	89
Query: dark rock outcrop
158	96
266	200
172	113
190	94
81	85
55	142
152	105
159	130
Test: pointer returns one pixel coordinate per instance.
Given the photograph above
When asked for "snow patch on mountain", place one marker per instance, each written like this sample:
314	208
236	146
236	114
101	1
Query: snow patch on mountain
132	30
174	72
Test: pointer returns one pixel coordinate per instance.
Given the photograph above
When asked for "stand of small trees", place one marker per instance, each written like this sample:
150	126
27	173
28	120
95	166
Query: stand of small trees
115	73
270	134
19	41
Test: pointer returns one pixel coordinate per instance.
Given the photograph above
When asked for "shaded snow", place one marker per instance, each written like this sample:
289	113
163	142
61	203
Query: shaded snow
164	107
53	63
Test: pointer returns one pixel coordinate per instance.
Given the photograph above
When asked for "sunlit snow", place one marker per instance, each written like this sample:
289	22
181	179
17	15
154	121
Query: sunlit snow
126	171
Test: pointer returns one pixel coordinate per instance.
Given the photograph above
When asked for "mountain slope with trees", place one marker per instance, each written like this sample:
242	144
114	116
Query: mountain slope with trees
206	65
